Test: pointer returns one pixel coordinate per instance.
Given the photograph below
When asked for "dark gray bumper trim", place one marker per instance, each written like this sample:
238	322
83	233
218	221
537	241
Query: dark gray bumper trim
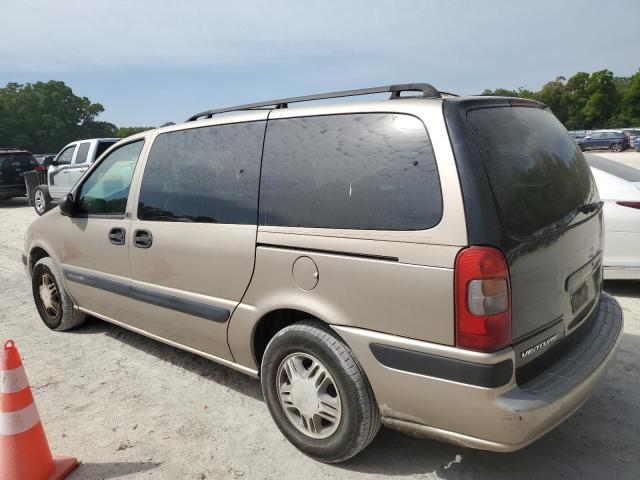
481	375
172	302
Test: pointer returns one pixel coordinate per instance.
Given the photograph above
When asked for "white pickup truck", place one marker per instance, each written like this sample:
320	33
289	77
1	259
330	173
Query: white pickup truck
64	171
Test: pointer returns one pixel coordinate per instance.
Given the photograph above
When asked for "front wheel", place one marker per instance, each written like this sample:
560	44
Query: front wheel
54	304
41	200
317	392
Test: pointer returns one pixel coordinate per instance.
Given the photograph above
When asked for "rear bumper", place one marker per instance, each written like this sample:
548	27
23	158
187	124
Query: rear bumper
12	191
426	401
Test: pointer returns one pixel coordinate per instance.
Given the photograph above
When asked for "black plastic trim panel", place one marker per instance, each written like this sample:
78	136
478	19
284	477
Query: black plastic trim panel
331	252
480	375
172	302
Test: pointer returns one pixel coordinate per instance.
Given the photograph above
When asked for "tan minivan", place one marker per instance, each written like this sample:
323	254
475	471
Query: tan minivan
428	261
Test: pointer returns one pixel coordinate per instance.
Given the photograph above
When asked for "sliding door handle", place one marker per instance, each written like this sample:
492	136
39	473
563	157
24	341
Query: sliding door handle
142	238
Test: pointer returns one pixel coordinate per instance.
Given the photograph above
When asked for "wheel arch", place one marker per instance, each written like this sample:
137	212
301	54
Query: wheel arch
271	323
35	254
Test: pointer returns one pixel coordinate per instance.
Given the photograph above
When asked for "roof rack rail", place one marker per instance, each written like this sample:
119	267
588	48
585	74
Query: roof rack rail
428	91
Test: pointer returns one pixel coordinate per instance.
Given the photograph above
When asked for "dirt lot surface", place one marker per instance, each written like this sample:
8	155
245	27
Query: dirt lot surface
130	407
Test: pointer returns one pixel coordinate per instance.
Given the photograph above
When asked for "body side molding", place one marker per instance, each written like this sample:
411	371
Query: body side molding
170	301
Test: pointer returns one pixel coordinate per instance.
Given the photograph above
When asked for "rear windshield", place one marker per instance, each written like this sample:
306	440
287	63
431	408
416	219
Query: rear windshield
22	159
538	175
619	170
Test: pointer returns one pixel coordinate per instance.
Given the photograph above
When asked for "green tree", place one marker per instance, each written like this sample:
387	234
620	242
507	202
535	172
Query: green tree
588	101
602	99
554	94
629	114
503	92
128	131
576	89
94	129
44	116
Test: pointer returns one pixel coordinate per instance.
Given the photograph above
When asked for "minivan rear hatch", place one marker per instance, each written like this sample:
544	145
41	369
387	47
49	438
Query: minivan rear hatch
529	192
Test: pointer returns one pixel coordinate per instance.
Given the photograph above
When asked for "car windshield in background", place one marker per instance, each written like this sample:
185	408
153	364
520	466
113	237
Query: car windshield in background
619	170
102	147
17	160
537	173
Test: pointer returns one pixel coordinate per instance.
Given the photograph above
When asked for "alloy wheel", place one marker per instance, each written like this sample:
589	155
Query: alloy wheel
39	201
49	296
308	395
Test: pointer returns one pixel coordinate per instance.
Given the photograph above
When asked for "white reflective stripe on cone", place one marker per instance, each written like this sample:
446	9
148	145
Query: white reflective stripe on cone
14	380
12	423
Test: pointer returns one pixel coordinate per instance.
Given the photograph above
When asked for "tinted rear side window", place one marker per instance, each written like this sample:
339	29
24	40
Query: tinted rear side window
205	175
20	159
102	146
537	173
361	171
83	151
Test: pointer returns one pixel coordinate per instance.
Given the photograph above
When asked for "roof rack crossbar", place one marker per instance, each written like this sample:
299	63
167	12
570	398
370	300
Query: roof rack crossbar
427	91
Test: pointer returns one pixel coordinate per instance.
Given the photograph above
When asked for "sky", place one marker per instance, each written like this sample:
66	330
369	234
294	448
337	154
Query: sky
153	61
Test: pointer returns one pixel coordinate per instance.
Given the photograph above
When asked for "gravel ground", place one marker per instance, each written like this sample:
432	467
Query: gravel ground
130	407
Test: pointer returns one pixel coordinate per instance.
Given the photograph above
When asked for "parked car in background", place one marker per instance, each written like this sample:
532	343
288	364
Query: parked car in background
615	140
445	282
633	134
13	163
578	134
65	169
637	147
619	187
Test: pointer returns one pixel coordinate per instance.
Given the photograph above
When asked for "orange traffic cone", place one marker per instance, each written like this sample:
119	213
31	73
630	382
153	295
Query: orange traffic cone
24	451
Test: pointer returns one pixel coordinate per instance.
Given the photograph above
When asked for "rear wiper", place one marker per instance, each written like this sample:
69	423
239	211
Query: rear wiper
590	207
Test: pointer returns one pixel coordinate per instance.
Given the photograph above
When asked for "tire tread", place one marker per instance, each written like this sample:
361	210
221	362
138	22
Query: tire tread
368	409
71	317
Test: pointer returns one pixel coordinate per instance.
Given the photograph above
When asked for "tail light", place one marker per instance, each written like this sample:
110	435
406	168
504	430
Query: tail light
482	299
630	204
41	168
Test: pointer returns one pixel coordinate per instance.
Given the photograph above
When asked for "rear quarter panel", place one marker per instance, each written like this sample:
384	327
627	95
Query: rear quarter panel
409	293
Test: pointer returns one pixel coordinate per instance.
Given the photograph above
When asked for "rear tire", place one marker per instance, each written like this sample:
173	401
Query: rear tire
616	147
54	304
327	410
41	200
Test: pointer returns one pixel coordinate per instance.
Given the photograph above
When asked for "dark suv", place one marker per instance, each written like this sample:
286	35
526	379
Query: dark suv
615	140
13	164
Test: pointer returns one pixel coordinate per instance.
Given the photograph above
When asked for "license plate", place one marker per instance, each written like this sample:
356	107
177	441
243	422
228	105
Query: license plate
579	298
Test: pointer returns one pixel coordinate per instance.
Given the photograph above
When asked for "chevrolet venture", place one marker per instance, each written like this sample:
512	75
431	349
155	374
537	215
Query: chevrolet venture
429	262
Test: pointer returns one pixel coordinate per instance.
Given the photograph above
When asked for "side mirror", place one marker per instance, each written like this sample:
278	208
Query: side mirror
68	206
